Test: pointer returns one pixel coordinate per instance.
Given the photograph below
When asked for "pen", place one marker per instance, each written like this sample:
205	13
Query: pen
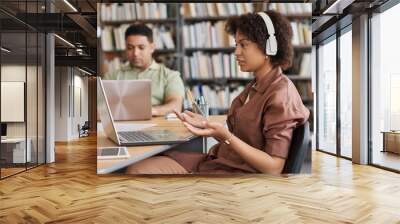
189	94
194	104
202	100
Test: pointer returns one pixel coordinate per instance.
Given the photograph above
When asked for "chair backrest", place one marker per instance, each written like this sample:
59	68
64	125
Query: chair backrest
298	149
86	125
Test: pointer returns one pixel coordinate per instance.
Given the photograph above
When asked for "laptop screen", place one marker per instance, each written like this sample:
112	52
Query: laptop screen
105	114
128	100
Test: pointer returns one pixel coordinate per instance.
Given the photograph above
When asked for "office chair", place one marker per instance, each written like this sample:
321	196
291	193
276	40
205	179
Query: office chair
298	150
84	130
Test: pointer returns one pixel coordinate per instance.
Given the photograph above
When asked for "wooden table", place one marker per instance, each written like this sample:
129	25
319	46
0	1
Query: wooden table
138	153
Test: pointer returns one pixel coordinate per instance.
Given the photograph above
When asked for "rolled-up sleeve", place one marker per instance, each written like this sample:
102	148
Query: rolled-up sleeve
284	112
174	85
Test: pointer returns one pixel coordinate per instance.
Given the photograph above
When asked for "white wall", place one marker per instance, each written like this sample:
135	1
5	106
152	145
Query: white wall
33	126
71	93
17	73
62	80
14	73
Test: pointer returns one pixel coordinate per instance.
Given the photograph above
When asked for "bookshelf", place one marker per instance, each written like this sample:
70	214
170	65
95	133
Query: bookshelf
152	21
203	51
297	48
243	81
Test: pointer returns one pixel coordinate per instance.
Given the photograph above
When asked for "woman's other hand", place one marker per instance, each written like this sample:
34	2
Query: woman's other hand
209	129
193	119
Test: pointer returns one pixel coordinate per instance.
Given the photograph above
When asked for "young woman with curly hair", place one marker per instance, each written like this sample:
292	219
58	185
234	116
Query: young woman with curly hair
260	120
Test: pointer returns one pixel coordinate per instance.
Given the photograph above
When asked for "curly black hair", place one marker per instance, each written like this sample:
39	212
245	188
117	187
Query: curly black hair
253	27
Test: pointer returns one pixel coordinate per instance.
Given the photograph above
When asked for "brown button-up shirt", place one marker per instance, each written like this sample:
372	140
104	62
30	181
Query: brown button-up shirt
265	122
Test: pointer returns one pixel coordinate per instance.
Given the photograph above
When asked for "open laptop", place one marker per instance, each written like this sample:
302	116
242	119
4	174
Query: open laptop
129	100
133	138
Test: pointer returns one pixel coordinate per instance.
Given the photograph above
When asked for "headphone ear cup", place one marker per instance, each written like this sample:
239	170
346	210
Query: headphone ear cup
271	46
267	47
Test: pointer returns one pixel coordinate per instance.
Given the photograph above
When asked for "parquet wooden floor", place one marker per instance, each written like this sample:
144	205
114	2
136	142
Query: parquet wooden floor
69	191
10	171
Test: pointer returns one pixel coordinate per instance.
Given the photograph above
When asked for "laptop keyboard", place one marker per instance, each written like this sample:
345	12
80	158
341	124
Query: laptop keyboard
135	136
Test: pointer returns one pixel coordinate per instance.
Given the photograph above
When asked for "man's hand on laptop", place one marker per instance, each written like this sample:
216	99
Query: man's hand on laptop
155	112
195	120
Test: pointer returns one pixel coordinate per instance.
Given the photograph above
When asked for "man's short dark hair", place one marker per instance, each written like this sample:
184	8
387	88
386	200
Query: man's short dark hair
139	29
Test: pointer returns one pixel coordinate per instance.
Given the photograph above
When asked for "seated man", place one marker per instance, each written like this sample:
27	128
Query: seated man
167	86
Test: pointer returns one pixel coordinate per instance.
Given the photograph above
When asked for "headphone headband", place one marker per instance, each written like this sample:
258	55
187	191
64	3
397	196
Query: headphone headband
271	46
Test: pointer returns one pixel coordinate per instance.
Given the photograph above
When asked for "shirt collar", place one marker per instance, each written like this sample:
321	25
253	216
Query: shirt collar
262	84
265	81
153	66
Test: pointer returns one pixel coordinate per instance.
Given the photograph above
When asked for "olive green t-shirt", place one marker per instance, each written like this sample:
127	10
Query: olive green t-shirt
165	82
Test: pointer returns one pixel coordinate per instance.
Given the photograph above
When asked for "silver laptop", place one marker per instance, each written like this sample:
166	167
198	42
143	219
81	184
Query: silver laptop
129	100
132	138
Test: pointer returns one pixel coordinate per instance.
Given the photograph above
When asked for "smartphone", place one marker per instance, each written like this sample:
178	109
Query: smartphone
112	153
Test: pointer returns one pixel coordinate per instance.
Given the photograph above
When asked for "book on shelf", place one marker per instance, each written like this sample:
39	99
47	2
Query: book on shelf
301	33
305	91
215	9
227	9
301	65
107	39
219	65
206	66
213	35
112	65
133	11
305	65
206	35
290	9
113	38
220	98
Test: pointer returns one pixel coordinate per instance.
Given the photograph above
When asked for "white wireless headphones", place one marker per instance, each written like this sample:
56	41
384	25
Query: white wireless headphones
271	46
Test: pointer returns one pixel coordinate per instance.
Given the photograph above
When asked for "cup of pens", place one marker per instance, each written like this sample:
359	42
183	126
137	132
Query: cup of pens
203	106
199	106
